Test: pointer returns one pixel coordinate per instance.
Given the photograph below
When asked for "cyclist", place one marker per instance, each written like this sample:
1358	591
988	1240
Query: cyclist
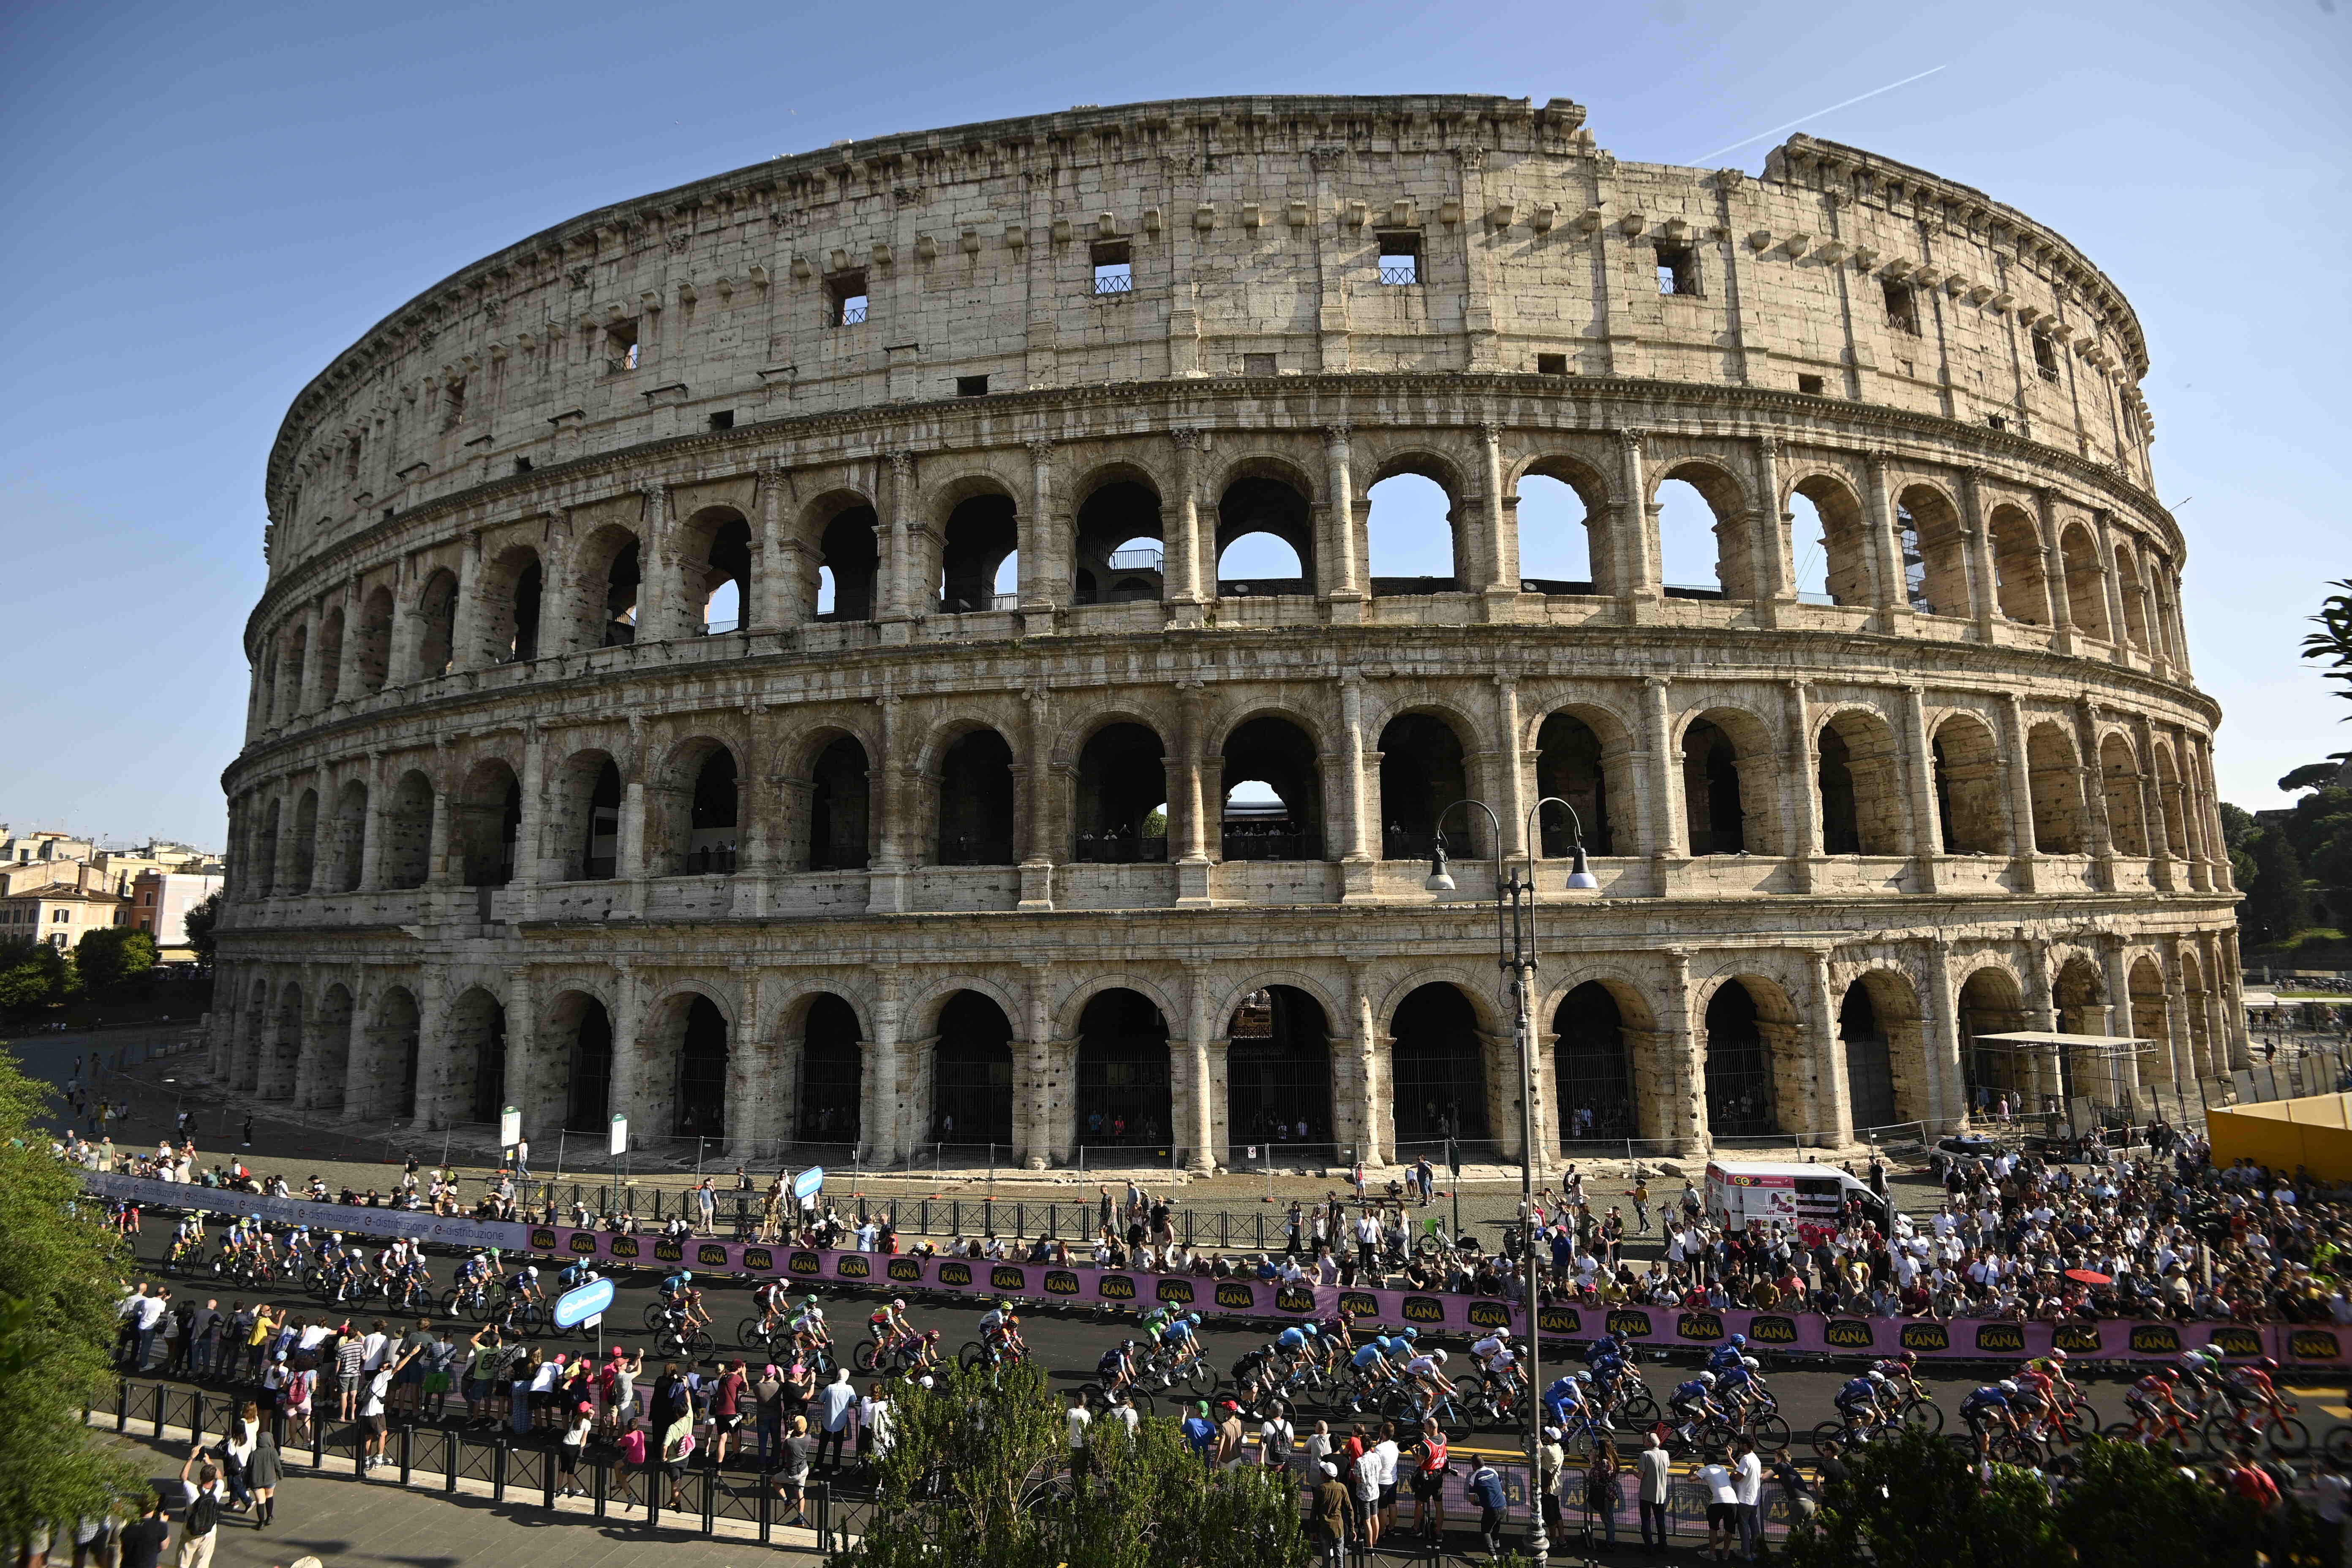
1610	1364
1156	1322
1178	1339
1566	1395
2150	1399
1296	1345
1901	1372
1726	1355
1737	1386
2030	1397
926	1357
571	1276
1116	1367
1694	1402
808	1324
1252	1374
2200	1373
768	1296
1857	1401
2251	1384
1338	1338
527	1287
1426	1372
1503	1371
677	1284
1988	1408
1369	1362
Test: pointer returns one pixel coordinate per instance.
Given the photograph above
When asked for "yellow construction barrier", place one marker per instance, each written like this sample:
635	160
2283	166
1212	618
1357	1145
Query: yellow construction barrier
2314	1131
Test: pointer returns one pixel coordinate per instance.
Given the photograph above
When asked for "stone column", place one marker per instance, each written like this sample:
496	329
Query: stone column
661	595
2231	988
630	1068
2118	625
528	872
1342	570
1660	765
1498	563
1800	800
440	871
1985	577
532	1080
2090	778
2054	571
898	589
465	650
1200	1108
1777	524
880	1092
2155	821
1185	544
776	575
1832	1108
1041	1139
1040	551
1920	766
1639	579
432	1088
1039	824
1508	784
886	881
372	842
1355	856
1681	1071
347	678
2020	794
2123	1075
2183	1040
1188	799
1890	588
1948	1095
1366	1080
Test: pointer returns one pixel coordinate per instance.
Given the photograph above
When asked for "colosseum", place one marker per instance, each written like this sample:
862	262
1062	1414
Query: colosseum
971	639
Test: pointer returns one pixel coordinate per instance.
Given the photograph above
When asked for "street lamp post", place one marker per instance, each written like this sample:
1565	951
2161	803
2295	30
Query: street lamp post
1515	940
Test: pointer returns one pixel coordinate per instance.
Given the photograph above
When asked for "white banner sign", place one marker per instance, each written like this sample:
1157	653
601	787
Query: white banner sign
420	1224
620	1143
509	1127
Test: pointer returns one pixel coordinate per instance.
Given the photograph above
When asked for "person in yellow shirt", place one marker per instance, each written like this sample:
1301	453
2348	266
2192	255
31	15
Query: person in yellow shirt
265	1319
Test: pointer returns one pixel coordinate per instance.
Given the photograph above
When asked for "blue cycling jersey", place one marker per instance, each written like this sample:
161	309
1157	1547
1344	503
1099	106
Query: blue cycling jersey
1722	1358
1180	1331
1734	1376
1857	1388
1984	1398
1290	1339
1690	1392
1370	1356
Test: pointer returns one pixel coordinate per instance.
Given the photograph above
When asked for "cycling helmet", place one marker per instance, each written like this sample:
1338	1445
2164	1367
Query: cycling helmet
1706	1379
2008	1385
1310	1331
2058	1356
1437	1356
1909	1358
1408	1335
1877	1377
2267	1364
929	1334
532	1271
1740	1342
808	1301
1193	1319
1127	1345
1584	1377
1752	1363
899	1303
2168	1373
686	1276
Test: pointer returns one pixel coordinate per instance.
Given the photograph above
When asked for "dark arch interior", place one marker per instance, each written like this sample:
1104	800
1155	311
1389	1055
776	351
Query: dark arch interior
530	588
981	533
1569	765
1438	1072
831	1073
1869	1065
489	1067
702	1072
710	819
976	802
1115	515
839	809
1739	1066
1277	1070
729	561
1267	506
1421	776
1594	1066
1276	753
589	1105
1122	795
600	854
488	825
850	553
1712	810
621	582
1123	1092
1841	827
971	1073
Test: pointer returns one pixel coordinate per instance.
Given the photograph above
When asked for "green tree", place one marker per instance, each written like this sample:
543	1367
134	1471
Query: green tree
138	953
99	954
34	974
202	921
1917	1501
972	1478
58	1282
2130	1507
2277	905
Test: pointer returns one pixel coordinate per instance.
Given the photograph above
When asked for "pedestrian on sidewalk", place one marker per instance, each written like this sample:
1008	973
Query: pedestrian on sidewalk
264	1469
567	1452
677	1449
141	1542
834	1404
1653	1470
791	1483
246	1139
200	1526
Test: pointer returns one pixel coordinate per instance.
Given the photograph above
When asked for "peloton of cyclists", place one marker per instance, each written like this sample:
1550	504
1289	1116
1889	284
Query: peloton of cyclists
1695	1401
2152	1403
1989	1408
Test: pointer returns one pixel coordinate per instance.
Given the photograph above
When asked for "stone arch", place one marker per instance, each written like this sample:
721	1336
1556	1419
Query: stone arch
326	1062
386	1080
347	854
681	1056
2203	1061
608	581
474	1071
1279	1069
2055	780
2078	992
836	833
1991	1001
1928	534
714	563
281	1062
830	1096
1727	539
330	657
2150	1020
2019	579
578	1038
1845	542
1424	769
408	831
1269	793
1120	812
980	529
2086	582
1730	782
973	1072
1118	505
265	867
1423	489
2119	778
1972	787
485	822
1592	1064
1069	1011
513	591
2130	591
842	570
436	626
1883	1050
974	799
1754	1059
584	827
293	668
306	842
1123	1075
694	816
1584	755
1538	511
373	665
2171	804
1440	1076
1858	781
1268	495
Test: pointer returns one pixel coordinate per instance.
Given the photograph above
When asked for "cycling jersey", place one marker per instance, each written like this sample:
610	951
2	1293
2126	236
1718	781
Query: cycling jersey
1722	1358
1290	1339
1734	1376
1504	1360
2150	1391
1368	1357
1858	1391
1984	1399
1178	1331
1112	1364
1691	1393
1420	1366
1488	1348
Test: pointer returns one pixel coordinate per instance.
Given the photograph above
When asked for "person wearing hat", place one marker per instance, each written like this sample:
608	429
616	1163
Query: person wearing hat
567	1451
791	1480
1200	1432
1229	1436
1328	1527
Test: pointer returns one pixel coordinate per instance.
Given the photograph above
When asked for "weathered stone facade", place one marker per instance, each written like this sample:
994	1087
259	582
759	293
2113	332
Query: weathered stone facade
519	821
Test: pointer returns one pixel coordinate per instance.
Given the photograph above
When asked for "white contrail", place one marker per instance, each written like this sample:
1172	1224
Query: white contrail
1816	114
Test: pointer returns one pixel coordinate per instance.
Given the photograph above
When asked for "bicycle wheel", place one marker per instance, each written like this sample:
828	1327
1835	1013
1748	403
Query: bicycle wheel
2119	1432
1428	1244
698	1344
747	1332
2337	1445
973	1355
861	1356
2080	1421
653	1316
1768	1433
1639	1409
2220	1433
1201	1378
2288	1437
1924	1415
1826	1432
1469	1391
451	1299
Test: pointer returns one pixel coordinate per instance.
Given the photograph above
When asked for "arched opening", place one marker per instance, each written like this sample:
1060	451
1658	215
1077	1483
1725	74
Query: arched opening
840	808
331	658
702	1072
610	571
971	1073
408	832
691	812
1693	560
848	560
1278	1069
282	1065
2149	1020
2087	583
350	836
436	626
2126	817
588	1063
975	801
1740	1092
2201	1059
1559	548
1423	775
2171	804
832	1073
2080	995
485	822
265	867
477	1085
1262	506
1840	547
512	588
373	662
1869	1063
305	842
1573	764
716	554
1413	537
328	1060
2056	783
591	823
295	666
1122	796
1935	568
1860	789
1123	1094
1120	549
1593	1065
2128	589
1728	785
981	533
388	1085
1272	794
2019	579
1438	1068
1969	782
1989	1003
1809	559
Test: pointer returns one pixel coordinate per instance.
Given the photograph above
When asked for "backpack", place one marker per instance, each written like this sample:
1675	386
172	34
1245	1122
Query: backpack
203	1515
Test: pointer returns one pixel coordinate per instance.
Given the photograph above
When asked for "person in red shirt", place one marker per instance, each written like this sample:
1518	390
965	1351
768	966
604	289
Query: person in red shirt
1429	1467
2251	1482
727	1410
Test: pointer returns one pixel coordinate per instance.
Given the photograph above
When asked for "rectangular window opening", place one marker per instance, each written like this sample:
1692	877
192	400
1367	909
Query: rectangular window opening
846	293
972	386
723	420
2046	356
453	405
1400	257
620	347
1677	270
1901	306
1552	364
522	465
1996	421
1114	261
1811	385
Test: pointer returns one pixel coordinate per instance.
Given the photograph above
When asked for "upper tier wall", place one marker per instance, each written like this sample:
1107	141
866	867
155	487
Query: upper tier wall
1255	231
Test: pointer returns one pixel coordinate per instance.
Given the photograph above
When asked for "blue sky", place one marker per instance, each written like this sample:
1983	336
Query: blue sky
206	203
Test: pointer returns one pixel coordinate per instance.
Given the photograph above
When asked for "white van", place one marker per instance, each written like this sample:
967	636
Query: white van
1794	1195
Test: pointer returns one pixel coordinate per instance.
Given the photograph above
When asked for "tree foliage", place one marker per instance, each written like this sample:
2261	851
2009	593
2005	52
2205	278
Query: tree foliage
112	954
2130	1507
204	920
2332	643
2277	906
34	974
59	1274
1918	1501
971	1478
